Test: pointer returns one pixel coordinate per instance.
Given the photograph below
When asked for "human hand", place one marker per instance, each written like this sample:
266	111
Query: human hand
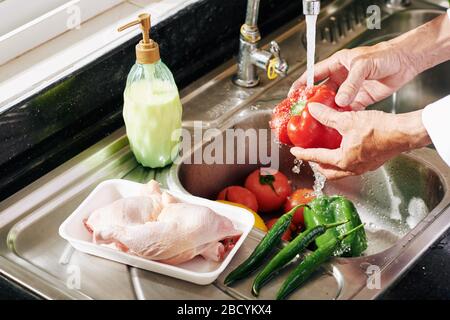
369	139
364	75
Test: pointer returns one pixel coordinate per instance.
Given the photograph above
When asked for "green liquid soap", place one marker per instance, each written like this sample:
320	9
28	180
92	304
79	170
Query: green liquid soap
152	112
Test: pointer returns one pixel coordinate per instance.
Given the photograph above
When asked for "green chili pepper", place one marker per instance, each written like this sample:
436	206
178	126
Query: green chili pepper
311	262
288	253
323	210
355	244
267	244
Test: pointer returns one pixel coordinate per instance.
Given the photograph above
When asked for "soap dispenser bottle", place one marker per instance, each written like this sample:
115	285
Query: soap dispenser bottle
152	108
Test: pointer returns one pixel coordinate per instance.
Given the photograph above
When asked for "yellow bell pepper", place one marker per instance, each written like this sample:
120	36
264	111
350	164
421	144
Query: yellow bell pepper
259	222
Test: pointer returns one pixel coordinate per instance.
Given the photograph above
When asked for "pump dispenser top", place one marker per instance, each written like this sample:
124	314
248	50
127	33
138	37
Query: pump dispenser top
147	50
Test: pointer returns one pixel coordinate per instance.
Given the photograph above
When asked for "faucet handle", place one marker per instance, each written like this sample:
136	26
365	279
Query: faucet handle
277	65
275	49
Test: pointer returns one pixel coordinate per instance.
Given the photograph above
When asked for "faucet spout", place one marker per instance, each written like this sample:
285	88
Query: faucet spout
251	18
311	7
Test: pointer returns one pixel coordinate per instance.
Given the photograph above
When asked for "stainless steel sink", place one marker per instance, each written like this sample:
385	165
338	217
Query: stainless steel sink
391	201
32	253
426	87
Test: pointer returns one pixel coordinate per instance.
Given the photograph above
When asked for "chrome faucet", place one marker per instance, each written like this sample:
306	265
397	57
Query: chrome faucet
251	57
311	7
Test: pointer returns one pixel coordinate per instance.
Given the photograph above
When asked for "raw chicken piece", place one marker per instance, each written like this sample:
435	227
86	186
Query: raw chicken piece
214	251
133	210
181	232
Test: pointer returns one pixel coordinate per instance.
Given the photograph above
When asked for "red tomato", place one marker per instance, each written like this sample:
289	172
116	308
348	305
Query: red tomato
287	235
302	129
239	195
299	196
305	131
270	187
280	119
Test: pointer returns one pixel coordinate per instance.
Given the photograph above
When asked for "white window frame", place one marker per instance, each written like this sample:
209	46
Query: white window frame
59	57
49	18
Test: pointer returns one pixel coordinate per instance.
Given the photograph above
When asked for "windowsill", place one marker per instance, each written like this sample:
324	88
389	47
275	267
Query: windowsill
54	59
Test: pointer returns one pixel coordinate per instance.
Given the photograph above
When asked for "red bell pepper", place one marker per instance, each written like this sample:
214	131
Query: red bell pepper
294	125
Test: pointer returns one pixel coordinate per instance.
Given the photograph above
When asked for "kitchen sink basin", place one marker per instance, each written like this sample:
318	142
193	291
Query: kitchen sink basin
405	204
392	201
428	86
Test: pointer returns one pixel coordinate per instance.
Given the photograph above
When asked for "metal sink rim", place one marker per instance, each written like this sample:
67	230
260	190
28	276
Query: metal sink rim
42	283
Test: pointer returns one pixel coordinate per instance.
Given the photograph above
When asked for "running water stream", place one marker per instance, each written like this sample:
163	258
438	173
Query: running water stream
319	178
310	48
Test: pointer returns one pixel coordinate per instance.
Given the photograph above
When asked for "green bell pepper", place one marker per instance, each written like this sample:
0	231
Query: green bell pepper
326	210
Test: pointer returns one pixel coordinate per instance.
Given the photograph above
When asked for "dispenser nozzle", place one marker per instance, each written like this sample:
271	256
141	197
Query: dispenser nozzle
144	21
147	51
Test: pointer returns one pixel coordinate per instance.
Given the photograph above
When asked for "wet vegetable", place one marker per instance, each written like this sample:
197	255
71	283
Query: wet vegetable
270	187
294	125
326	210
312	262
241	195
259	222
295	247
287	235
262	250
299	196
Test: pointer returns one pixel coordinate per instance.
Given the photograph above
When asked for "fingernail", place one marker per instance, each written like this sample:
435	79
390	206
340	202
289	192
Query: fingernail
295	150
342	99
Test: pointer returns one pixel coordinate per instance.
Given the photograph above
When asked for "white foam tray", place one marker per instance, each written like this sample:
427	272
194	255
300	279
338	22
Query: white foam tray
198	270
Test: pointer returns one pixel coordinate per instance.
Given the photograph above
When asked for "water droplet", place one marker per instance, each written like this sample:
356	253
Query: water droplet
319	179
297	166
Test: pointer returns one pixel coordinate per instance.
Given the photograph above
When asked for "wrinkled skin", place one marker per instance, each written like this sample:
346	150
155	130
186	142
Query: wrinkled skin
364	76
370	138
